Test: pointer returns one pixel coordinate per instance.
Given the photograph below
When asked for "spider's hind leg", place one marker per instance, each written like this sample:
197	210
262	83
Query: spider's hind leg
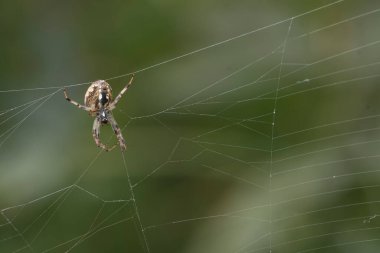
96	134
88	109
118	97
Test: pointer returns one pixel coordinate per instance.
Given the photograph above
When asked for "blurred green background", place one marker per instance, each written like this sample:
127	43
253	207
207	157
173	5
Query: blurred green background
211	167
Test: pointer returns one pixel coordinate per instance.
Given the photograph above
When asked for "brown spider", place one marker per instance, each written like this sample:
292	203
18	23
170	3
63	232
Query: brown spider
99	103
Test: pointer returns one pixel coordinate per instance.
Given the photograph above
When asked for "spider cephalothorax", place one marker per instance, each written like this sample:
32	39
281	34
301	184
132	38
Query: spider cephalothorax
99	103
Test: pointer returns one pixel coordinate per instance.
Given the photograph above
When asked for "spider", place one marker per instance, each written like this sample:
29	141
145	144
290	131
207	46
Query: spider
99	104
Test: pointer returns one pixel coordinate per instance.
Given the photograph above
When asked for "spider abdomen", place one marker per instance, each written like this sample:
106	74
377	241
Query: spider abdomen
103	98
98	96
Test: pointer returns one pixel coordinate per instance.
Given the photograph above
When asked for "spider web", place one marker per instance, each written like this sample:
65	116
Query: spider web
266	141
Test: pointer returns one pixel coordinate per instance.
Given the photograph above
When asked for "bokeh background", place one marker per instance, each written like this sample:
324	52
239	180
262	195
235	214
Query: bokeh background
209	166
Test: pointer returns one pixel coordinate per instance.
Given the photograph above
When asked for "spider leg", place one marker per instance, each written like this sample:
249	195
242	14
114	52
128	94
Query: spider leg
117	131
118	97
96	134
75	103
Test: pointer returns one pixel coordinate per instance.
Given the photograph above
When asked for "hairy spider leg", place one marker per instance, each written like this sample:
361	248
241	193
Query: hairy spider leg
117	131
88	109
118	97
96	134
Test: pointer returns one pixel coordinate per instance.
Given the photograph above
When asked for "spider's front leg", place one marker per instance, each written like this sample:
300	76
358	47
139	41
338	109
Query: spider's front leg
96	134
117	131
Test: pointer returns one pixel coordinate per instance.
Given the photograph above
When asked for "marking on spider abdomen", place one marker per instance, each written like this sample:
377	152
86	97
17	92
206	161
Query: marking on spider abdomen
90	95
